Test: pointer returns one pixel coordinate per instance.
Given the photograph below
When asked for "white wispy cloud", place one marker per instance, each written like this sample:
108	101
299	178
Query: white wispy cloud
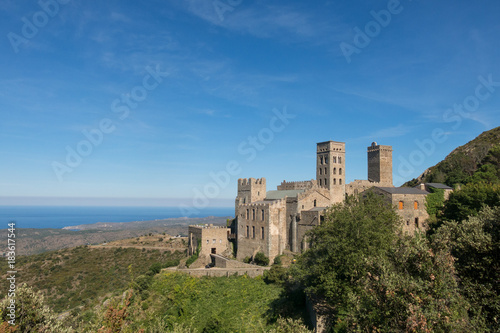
264	20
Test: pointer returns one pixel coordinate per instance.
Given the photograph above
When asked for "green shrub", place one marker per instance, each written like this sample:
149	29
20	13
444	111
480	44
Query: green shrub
247	260
277	274
155	268
277	260
261	259
193	258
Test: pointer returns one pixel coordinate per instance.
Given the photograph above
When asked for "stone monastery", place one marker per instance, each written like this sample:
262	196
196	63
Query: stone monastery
278	220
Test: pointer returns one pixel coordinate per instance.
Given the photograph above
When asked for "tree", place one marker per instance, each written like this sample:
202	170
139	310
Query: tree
351	232
261	259
434	201
32	315
475	243
469	200
373	277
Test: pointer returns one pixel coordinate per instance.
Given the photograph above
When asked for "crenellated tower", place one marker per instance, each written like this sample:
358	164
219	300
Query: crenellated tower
250	190
330	168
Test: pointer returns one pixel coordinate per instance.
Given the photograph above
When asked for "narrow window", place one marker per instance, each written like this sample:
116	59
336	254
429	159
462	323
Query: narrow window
315	202
334	181
401	205
326	160
263	215
262	232
326	172
208	241
321	159
248	231
214	241
253	232
340	181
340	160
253	214
244	200
340	171
320	171
320	182
416	222
334	171
415	205
248	214
334	159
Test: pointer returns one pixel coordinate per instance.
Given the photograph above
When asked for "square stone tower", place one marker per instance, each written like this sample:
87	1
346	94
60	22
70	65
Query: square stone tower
380	164
250	190
330	168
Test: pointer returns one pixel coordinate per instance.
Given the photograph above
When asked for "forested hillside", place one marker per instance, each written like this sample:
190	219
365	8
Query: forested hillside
478	160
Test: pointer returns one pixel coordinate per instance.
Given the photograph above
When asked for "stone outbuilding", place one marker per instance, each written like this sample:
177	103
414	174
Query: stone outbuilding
409	204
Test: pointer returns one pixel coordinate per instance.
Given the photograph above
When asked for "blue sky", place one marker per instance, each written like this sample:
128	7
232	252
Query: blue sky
170	102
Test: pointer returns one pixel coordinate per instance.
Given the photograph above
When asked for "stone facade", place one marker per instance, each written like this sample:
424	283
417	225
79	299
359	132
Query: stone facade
212	239
409	204
330	168
304	185
278	220
380	164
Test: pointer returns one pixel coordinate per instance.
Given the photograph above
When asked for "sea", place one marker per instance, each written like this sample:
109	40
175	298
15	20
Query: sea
65	216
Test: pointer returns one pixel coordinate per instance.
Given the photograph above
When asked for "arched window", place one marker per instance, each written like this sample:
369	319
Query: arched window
263	215
326	171
334	159
245	200
248	231
248	214
315	203
253	214
321	159
334	181
320	182
401	205
340	181
320	171
340	160
415	205
340	171
334	171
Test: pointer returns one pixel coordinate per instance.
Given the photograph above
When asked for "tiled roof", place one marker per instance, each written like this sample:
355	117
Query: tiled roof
402	190
439	185
274	195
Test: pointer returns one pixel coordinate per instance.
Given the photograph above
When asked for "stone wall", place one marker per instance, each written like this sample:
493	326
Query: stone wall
413	211
302	185
213	239
380	164
219	272
262	231
411	208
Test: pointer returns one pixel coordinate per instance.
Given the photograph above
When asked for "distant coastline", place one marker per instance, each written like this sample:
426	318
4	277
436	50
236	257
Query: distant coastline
67	217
